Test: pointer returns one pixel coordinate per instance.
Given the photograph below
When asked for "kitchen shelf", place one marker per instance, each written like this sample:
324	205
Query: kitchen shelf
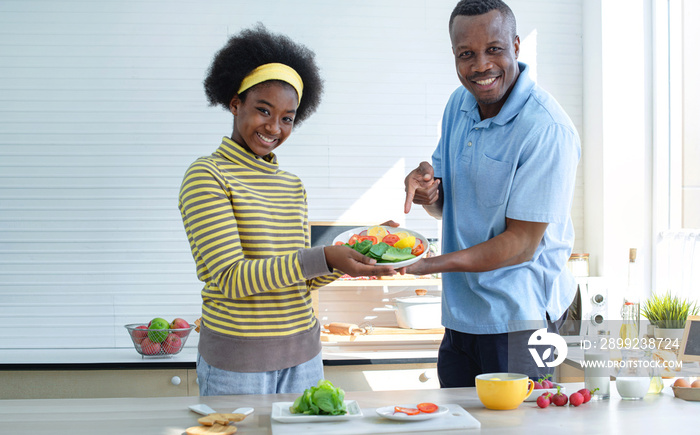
418	283
384	334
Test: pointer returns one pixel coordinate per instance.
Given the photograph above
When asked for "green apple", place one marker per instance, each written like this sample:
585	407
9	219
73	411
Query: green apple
158	330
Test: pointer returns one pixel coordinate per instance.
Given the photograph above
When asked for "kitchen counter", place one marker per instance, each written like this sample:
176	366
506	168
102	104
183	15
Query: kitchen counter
661	414
333	354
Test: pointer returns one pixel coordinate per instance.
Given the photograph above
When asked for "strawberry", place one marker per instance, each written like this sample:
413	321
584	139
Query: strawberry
576	399
559	399
543	401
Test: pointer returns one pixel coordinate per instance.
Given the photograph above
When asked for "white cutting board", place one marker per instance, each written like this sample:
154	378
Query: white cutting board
371	423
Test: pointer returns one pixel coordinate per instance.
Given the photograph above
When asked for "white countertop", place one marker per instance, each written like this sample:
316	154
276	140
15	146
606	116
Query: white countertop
656	414
125	356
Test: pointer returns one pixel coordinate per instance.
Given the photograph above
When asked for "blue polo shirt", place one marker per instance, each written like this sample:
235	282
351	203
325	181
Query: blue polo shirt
520	164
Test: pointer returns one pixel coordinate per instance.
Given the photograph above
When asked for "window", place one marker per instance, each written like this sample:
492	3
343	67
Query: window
676	217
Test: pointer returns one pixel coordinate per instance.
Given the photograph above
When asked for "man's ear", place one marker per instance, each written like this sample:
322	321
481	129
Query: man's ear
516	45
234	104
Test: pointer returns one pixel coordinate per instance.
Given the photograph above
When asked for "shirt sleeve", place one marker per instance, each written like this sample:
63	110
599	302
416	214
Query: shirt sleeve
315	268
543	186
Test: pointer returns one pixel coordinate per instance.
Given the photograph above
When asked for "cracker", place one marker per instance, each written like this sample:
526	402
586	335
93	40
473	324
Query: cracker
216	429
220	418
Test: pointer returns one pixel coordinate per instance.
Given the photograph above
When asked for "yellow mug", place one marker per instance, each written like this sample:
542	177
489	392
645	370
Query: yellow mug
503	390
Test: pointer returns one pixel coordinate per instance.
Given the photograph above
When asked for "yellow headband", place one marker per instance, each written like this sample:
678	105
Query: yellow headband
273	71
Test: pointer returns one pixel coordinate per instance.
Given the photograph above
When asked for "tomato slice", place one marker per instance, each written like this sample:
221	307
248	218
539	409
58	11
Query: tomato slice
409	411
353	239
339	243
418	249
427	407
390	239
372	238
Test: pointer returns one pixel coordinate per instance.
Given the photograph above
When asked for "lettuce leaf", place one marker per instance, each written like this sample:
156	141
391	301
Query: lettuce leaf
394	255
323	399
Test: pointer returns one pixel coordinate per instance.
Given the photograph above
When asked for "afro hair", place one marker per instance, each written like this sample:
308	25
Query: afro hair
254	47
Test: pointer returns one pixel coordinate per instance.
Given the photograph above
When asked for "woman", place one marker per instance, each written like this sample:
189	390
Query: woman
246	221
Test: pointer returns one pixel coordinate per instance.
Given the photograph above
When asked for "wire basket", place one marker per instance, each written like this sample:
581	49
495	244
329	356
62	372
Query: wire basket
157	343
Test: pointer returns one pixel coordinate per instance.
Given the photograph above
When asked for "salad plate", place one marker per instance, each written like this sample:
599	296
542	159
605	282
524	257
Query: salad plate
280	412
345	236
388	412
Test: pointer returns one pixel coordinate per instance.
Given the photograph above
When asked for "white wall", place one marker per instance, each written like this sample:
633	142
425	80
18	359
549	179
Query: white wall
102	110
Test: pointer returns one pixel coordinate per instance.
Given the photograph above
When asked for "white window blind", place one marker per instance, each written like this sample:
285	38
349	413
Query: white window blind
102	110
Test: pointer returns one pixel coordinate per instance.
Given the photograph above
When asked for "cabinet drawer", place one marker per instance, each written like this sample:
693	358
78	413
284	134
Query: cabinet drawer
55	384
383	377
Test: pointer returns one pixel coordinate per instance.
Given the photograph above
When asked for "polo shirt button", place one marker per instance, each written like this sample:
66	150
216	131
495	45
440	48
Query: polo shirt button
469	144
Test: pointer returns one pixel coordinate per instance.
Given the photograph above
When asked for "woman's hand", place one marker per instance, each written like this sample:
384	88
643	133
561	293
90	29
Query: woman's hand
390	223
353	263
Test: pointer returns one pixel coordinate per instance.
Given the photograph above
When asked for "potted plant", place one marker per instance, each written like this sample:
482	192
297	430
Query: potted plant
668	314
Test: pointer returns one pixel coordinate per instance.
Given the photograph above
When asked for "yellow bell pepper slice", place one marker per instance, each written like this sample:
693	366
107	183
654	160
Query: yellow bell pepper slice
406	242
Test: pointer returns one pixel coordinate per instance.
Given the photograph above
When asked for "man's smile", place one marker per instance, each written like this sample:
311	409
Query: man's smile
486	82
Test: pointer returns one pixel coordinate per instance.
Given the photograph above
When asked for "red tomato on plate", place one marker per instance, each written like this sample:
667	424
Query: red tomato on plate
372	238
408	411
390	239
427	407
353	239
418	249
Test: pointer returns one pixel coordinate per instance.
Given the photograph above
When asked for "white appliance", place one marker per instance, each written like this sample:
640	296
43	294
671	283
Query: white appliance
588	314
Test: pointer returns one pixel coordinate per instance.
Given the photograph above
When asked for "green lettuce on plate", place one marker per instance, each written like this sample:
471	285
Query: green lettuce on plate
323	399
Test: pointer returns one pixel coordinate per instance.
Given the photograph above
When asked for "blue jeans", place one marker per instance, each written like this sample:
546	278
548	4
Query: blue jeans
217	382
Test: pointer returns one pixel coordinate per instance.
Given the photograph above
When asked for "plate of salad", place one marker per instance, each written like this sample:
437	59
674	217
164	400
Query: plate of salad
413	412
321	403
397	247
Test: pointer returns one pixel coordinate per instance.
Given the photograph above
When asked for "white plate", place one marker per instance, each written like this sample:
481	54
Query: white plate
345	237
537	393
281	413
388	412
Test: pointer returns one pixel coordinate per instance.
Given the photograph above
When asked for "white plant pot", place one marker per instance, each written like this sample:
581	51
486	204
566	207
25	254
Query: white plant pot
671	333
650	330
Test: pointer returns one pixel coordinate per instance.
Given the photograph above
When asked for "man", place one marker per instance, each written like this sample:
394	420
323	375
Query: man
502	181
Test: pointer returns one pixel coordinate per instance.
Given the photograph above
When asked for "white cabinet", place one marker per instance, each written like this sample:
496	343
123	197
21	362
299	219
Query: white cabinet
383	377
55	384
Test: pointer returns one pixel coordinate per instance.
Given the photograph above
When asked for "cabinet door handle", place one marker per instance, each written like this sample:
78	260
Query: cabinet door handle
175	380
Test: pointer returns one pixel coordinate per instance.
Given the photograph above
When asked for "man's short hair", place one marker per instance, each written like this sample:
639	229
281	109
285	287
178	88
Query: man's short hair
480	7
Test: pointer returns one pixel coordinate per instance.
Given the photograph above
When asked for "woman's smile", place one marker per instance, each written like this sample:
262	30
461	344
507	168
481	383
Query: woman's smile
265	118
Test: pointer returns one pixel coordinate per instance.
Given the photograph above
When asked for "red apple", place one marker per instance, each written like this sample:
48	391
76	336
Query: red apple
149	347
180	324
140	333
172	344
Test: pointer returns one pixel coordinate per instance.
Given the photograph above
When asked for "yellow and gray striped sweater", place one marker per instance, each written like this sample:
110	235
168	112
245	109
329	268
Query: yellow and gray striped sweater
247	224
